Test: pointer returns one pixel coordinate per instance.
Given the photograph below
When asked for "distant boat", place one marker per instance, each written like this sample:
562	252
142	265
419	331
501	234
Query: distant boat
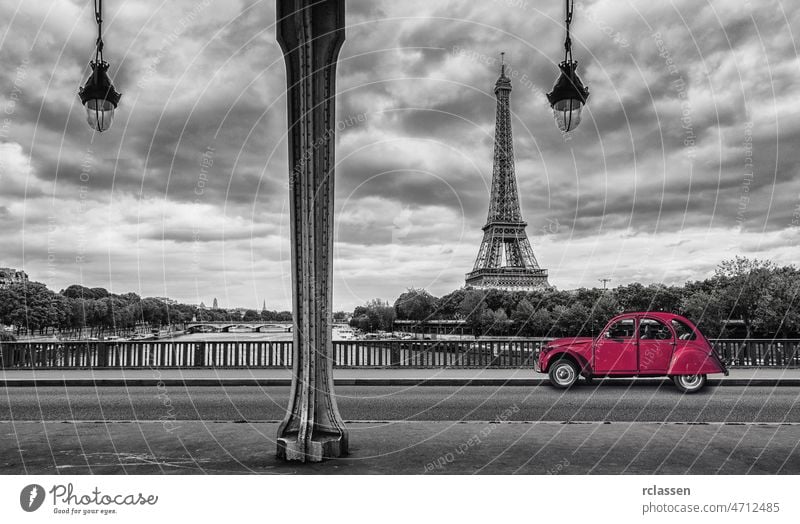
343	333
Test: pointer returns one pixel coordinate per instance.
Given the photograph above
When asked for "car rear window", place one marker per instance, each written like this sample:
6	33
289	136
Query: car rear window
683	331
652	329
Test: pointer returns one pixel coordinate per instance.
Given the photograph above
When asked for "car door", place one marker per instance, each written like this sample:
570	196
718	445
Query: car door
615	350
656	345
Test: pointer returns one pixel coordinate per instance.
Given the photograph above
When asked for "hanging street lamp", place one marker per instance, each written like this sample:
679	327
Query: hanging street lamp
569	94
98	94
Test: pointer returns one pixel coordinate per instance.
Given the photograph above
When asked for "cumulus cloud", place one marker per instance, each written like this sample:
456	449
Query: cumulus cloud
686	154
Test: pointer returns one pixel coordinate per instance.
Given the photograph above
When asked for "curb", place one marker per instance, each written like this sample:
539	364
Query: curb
285	382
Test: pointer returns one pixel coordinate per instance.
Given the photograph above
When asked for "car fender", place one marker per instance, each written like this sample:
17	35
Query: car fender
556	354
694	360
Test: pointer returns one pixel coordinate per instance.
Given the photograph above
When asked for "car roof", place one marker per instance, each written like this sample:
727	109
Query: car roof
660	315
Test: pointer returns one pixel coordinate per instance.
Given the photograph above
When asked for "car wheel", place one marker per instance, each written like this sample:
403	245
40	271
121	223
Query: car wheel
563	373
689	383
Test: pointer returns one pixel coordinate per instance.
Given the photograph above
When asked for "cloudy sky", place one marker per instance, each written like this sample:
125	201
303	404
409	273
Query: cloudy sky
687	153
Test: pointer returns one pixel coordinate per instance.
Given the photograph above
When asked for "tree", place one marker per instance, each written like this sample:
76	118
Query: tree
29	306
154	312
604	308
473	310
472	304
10	300
777	312
741	283
665	298
704	309
415	304
251	315
498	299
572	321
376	315
633	297
360	322
381	314
449	306
522	316
78	291
541	323
482	321
499	323
100	292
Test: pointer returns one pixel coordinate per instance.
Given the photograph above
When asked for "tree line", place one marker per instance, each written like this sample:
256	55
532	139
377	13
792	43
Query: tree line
744	298
32	308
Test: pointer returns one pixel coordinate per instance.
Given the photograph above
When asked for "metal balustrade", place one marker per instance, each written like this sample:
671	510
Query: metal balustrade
779	352
481	353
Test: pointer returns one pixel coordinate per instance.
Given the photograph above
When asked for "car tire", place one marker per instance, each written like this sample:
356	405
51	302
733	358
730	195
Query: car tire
689	383
563	374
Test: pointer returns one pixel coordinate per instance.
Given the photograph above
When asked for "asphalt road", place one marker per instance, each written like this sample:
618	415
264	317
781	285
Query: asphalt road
607	402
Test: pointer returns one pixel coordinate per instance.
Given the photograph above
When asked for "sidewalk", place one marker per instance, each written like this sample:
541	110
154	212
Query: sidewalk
346	377
416	448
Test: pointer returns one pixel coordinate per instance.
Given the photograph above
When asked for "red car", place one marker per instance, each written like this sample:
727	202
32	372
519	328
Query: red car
649	344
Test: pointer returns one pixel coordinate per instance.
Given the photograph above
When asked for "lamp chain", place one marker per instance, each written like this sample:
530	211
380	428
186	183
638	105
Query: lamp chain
98	16
570	6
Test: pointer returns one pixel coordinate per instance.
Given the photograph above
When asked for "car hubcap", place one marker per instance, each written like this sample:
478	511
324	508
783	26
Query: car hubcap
564	374
690	381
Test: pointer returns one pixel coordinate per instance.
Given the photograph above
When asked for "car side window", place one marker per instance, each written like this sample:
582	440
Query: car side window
683	331
652	329
621	329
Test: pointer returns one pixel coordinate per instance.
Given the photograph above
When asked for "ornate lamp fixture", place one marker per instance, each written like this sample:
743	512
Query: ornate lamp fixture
569	94
98	94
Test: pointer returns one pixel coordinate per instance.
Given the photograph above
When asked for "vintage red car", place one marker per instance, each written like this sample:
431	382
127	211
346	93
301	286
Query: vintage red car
644	344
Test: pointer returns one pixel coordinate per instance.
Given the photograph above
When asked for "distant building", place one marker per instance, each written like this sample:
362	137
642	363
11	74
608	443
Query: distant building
432	327
166	300
202	305
10	276
264	307
216	304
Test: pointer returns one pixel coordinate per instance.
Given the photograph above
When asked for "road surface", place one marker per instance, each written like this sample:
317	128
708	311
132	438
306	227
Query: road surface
603	403
614	429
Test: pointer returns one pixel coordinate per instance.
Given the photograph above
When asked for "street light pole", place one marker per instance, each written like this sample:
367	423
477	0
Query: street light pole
310	33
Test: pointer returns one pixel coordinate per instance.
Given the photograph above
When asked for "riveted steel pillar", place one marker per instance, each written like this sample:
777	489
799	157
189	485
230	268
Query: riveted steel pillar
310	33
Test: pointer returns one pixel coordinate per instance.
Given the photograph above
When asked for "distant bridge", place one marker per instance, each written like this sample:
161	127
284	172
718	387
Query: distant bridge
225	327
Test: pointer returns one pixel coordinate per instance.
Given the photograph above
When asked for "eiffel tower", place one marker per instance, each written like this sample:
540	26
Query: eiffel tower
505	259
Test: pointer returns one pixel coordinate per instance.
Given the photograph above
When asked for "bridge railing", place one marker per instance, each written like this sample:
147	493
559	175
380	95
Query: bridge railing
356	353
779	352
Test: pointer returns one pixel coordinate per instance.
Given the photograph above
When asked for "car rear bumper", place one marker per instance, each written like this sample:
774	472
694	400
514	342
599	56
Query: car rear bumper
723	362
537	362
